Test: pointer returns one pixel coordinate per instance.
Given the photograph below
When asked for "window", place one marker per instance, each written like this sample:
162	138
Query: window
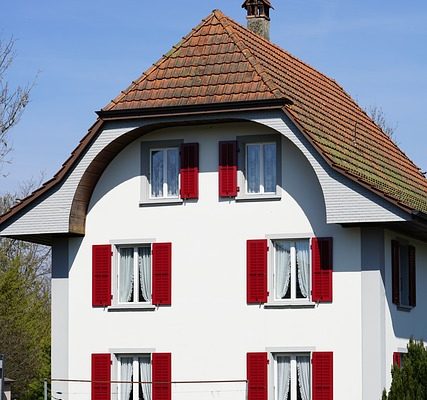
291	272
403	274
134	375
259	165
142	275
134	274
297	271
170	171
261	168
164	173
292	376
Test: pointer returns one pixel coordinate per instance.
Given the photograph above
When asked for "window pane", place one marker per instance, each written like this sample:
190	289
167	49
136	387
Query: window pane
145	376
303	377
404	276
253	168
126	377
283	378
173	172
144	266
126	275
303	268
157	173
282	273
269	167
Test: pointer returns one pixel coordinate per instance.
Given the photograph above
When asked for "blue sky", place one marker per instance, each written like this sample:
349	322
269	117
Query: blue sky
85	52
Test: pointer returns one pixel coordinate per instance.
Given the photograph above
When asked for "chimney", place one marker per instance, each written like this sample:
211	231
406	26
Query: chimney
258	16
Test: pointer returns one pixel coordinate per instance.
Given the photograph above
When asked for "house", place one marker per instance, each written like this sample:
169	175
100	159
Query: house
235	224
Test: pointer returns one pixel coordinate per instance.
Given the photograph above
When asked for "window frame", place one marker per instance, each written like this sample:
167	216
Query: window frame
272	301
116	246
243	142
403	258
127	353
147	147
293	354
165	187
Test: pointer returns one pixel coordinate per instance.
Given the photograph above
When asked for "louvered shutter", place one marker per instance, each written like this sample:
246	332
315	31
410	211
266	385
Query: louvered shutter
228	169
162	376
256	365
189	171
396	359
322	376
256	265
322	266
101	377
412	277
395	271
162	273
101	275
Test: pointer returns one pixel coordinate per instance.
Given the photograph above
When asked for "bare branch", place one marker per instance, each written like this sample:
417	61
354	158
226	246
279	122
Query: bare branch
378	116
12	100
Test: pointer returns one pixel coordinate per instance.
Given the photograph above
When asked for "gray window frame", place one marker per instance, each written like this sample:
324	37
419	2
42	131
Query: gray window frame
146	147
242	142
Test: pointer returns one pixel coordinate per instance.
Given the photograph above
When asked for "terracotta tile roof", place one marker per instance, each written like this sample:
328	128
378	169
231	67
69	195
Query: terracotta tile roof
221	61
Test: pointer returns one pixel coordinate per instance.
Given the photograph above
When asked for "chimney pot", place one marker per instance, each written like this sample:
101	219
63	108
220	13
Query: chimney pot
258	16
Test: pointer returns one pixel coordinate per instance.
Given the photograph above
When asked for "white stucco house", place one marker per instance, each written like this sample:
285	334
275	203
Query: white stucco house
232	227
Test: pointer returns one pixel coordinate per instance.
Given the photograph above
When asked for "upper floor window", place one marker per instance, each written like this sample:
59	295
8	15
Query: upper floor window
134	274
164	173
292	269
261	168
169	171
403	274
132	371
297	271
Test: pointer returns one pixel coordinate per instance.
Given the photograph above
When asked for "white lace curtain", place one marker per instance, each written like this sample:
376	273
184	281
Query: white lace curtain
303	266
144	265
283	268
126	370
283	377
303	366
145	372
126	275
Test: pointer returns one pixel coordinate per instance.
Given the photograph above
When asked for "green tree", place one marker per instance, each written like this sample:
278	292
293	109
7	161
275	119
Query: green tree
24	310
409	382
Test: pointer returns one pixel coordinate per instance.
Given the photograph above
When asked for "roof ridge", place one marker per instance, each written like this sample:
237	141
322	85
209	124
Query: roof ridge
250	57
165	57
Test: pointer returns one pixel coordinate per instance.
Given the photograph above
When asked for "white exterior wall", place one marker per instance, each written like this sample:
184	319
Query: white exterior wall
209	328
401	324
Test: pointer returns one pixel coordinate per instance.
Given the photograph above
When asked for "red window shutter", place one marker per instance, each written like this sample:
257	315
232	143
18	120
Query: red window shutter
162	376
162	273
101	377
101	275
189	171
395	271
256	264
256	365
321	255
228	169
412	277
396	359
322	376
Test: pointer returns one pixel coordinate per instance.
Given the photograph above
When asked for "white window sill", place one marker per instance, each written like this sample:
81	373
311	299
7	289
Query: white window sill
290	304
259	197
132	307
160	201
